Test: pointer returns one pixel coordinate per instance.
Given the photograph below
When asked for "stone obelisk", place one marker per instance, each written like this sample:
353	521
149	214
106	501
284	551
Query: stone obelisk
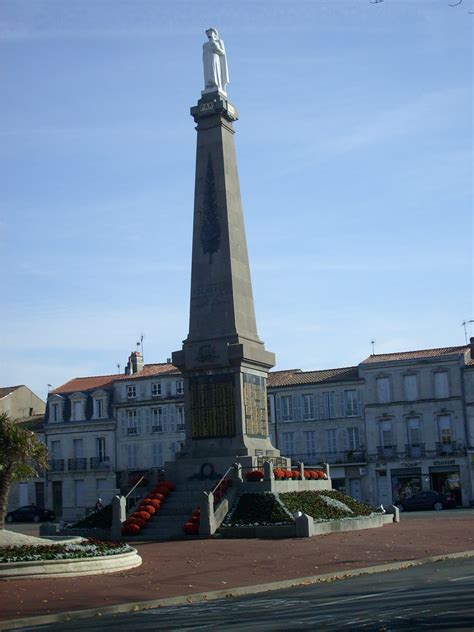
223	361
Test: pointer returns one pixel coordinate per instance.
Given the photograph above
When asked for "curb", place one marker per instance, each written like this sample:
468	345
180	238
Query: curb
239	591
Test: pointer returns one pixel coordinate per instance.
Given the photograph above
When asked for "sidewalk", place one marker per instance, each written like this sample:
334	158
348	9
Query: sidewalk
173	569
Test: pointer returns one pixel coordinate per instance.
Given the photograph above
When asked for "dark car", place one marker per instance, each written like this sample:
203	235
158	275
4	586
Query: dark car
30	513
427	500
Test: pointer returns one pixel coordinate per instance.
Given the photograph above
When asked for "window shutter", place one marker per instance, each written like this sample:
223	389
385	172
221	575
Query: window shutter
277	408
297	407
165	418
147	420
139	420
360	402
340	412
172	418
320	406
123	421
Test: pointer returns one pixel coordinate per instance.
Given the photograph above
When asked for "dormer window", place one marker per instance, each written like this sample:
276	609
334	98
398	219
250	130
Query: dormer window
78	407
56	403
99	408
131	391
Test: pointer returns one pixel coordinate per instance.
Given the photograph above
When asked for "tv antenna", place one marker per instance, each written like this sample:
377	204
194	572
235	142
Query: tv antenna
372	342
465	323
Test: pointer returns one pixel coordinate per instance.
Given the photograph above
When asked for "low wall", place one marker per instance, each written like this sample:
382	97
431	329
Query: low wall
46	569
318	528
280	487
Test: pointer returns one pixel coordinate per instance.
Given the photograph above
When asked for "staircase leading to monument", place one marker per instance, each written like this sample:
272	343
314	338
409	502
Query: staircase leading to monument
168	522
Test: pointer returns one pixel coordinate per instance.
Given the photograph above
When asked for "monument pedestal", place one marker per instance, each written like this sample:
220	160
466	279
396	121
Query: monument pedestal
223	361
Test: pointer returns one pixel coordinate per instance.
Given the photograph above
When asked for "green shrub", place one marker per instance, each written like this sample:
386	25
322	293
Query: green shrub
101	519
257	509
312	503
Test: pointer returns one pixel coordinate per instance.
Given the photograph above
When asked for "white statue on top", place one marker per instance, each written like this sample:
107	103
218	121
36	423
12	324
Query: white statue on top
216	73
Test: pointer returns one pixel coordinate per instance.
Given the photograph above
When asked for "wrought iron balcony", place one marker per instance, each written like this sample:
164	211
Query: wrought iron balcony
157	428
100	463
387	452
415	451
450	448
56	465
316	458
181	427
77	464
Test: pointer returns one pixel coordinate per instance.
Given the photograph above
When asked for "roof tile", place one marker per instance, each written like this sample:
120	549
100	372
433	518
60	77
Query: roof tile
415	355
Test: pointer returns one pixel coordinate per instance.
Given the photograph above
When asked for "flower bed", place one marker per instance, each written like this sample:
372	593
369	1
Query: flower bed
88	549
252	509
325	504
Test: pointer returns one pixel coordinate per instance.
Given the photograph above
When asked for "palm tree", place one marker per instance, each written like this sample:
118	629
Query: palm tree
22	455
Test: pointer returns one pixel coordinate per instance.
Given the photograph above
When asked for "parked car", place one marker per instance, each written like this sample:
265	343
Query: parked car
427	500
30	513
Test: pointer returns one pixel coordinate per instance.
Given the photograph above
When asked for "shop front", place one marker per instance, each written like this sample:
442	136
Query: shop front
445	477
406	482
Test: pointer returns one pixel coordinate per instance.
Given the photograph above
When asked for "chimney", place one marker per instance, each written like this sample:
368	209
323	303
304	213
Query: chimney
134	364
471	340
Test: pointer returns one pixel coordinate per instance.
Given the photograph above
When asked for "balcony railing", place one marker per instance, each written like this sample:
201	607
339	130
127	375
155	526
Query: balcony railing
387	452
132	431
77	465
56	465
415	451
181	427
316	458
157	428
100	463
450	448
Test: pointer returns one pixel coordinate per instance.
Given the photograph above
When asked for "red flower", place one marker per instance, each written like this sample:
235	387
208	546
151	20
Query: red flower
254	475
130	529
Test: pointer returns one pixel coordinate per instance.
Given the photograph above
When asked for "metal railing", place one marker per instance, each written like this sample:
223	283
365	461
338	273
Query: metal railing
450	448
56	465
77	464
340	457
415	451
100	463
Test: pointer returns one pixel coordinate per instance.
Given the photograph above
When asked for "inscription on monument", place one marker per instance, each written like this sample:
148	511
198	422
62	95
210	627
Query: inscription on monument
211	294
212	406
255	402
210	226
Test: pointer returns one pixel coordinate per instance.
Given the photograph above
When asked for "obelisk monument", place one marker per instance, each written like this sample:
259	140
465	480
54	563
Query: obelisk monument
223	361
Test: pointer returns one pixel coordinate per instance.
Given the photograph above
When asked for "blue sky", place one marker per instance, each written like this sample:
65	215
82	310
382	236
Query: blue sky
355	158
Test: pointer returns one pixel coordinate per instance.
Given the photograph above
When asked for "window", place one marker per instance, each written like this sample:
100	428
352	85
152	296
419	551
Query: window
181	424
99	408
286	403
55	449
157	419
179	387
157	454
132	423
310	443
131	391
351	403
308	407
331	441
101	486
383	390
156	389
174	447
288	442
386	437
78	410
410	385
78	448
132	456
100	448
353	438
414	432
328	405
79	495
54	412
441	384
445	429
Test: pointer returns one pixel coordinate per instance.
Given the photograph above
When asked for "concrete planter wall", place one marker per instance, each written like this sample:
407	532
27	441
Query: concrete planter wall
70	568
280	487
317	528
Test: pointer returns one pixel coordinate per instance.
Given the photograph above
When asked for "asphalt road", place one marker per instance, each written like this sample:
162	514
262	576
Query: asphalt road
428	597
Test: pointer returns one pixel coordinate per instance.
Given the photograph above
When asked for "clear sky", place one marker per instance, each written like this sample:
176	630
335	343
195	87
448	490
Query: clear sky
355	158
